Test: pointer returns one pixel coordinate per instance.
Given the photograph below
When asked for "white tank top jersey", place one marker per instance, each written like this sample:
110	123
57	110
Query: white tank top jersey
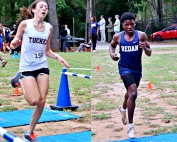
33	49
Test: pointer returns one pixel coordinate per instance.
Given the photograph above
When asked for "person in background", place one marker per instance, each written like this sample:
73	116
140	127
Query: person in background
117	24
12	35
110	29
6	44
68	35
81	47
64	39
68	30
102	24
1	24
2	39
95	30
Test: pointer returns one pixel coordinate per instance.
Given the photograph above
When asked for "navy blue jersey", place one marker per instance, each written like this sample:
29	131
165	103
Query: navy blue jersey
130	55
94	27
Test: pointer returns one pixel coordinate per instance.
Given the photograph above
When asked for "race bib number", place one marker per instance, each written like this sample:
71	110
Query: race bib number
38	55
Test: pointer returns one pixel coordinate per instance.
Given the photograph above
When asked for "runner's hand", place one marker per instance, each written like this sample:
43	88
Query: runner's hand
15	42
142	44
63	62
114	57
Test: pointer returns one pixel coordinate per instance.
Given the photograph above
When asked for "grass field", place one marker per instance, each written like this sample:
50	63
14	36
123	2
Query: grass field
155	109
80	92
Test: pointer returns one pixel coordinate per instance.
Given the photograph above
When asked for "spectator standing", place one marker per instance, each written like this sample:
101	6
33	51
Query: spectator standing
12	35
68	35
64	39
68	30
110	29
117	24
95	30
102	24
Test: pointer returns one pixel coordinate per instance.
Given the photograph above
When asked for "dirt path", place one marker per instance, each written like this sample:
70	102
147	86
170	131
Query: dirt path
113	129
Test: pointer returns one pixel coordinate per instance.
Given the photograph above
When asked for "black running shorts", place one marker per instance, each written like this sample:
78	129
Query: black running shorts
129	79
35	73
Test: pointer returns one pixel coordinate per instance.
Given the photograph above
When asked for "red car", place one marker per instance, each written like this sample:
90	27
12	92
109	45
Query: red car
167	33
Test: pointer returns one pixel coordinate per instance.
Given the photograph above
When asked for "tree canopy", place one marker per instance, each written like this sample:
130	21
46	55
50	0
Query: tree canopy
66	10
143	9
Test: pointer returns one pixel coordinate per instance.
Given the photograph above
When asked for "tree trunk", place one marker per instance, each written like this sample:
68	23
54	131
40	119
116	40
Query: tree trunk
160	10
155	8
174	19
53	21
87	25
93	7
150	9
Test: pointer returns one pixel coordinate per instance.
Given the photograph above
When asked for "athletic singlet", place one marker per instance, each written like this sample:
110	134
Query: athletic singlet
33	50
130	55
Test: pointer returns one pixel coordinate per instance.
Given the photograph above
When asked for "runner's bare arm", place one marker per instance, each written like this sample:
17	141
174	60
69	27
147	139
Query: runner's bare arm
51	54
144	44
112	47
17	39
98	30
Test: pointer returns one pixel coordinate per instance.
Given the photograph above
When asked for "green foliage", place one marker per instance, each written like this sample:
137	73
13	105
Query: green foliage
76	9
9	10
60	5
111	7
66	10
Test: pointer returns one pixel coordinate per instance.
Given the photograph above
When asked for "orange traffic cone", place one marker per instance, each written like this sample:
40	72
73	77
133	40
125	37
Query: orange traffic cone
98	68
16	92
149	86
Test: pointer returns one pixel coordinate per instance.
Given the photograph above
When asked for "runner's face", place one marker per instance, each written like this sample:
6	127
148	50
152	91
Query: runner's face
41	9
129	26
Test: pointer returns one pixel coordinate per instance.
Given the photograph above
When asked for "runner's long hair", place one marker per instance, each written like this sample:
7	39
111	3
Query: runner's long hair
26	12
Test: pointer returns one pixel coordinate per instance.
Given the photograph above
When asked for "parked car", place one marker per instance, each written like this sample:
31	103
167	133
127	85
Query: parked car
75	40
169	32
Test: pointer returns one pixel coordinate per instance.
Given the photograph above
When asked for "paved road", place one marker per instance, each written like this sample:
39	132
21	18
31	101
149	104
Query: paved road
106	45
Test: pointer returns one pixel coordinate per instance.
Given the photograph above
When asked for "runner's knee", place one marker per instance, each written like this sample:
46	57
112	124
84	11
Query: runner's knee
33	102
132	94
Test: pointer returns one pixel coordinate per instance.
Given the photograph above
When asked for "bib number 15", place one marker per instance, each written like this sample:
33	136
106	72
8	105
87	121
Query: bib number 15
38	55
